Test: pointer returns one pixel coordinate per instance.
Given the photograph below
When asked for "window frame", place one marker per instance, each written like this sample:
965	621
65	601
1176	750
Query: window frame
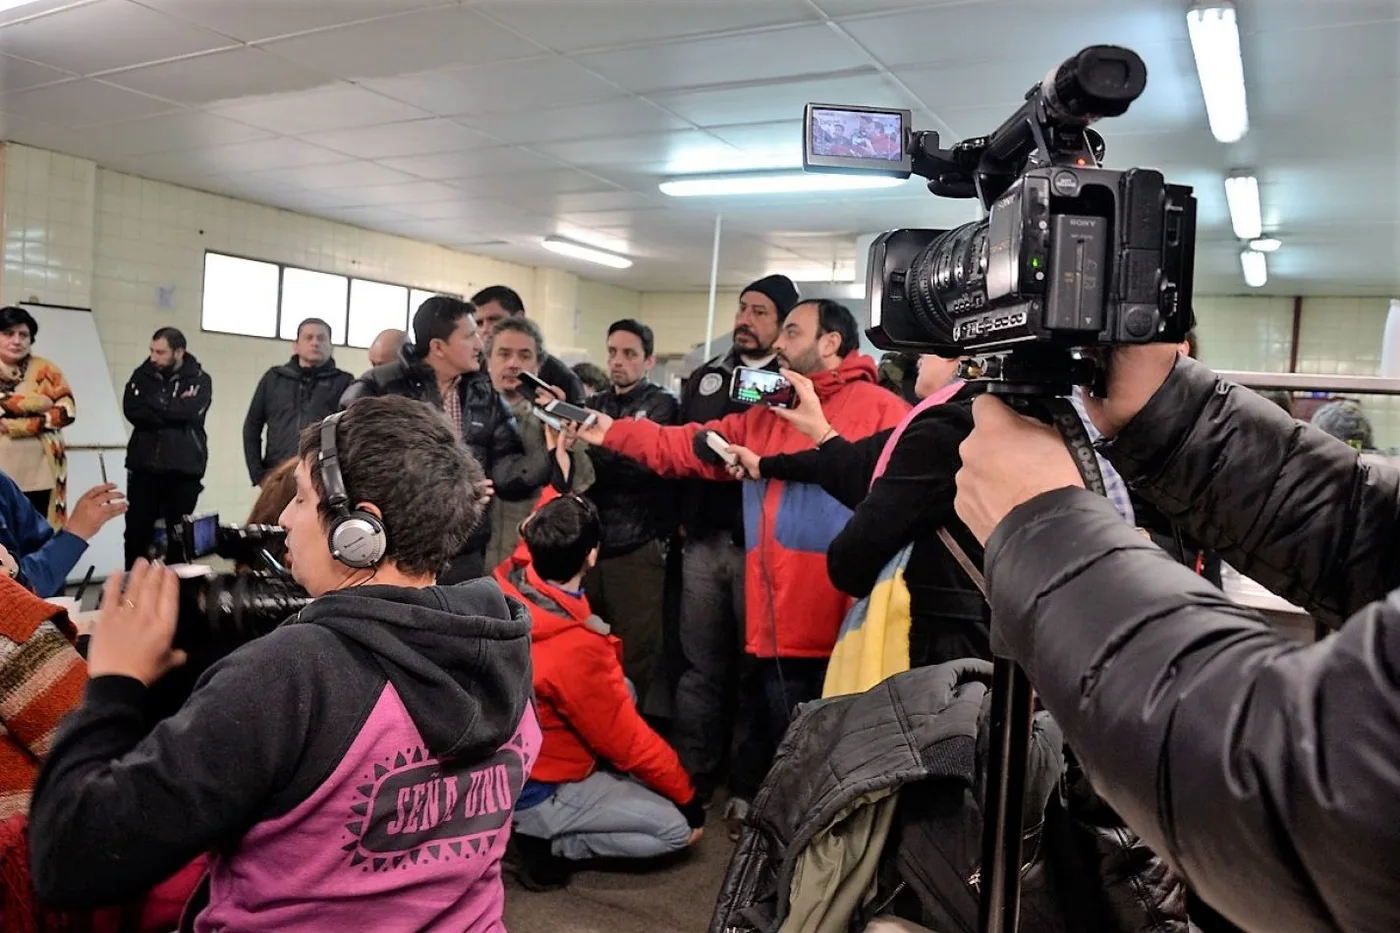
282	268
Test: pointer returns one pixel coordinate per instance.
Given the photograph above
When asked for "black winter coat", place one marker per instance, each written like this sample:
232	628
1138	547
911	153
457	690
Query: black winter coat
489	429
632	501
166	411
288	399
1266	770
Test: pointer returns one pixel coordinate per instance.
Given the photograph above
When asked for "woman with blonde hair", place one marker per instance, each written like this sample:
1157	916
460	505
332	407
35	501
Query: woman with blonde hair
35	405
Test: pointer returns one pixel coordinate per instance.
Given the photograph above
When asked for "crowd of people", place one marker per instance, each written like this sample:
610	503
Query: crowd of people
534	643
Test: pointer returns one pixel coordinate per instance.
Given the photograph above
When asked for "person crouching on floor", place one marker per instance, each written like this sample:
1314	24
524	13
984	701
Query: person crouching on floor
571	809
355	768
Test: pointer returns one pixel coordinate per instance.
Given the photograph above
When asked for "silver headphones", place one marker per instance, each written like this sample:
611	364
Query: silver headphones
356	538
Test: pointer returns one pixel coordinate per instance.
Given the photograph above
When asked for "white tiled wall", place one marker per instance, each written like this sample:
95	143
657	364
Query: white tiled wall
679	317
80	235
598	306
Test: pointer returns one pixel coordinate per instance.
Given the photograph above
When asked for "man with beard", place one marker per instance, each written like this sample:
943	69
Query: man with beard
792	611
712	530
166	400
627	585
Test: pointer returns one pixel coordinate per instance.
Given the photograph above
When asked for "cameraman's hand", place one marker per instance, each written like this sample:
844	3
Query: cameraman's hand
1135	373
1008	459
135	629
747	467
95	508
807	417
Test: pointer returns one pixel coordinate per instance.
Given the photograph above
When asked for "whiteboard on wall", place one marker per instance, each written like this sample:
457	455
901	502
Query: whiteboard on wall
68	338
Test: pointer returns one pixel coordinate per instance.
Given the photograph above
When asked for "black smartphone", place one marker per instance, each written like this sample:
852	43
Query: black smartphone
761	387
575	413
536	383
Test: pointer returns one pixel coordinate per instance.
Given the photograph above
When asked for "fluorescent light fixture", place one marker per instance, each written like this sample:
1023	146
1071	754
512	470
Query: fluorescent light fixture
1242	196
1215	42
744	183
563	247
1265	244
1256	268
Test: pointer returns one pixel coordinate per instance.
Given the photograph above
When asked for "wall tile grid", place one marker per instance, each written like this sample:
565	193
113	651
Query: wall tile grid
49	227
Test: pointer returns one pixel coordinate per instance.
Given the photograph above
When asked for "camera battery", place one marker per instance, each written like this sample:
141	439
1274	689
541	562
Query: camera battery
1078	273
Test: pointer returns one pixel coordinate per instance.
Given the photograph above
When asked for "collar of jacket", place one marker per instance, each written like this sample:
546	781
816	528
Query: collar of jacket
857	367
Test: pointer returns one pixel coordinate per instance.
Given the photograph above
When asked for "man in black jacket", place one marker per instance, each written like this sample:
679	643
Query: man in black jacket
1263	769
290	397
494	304
443	368
166	400
627	586
711	627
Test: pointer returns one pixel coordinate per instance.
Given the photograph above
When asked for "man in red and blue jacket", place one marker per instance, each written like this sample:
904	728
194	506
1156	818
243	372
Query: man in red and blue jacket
645	805
792	610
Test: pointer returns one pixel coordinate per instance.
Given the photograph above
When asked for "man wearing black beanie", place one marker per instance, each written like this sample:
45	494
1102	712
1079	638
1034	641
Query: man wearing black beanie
712	600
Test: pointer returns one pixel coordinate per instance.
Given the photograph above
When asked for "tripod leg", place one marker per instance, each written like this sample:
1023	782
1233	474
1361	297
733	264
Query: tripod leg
1012	713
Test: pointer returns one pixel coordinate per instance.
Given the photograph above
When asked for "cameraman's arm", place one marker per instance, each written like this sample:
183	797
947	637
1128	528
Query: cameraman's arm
1261	767
1282	502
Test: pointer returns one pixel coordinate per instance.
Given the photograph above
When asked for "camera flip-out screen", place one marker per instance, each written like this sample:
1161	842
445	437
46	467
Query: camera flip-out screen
856	139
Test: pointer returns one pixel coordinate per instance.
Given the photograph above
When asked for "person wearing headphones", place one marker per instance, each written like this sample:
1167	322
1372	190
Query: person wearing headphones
357	768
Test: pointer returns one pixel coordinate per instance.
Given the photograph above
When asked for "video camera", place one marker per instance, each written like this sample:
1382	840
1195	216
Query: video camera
1069	256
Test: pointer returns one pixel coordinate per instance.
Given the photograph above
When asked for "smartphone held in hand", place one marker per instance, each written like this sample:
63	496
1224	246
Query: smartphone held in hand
762	387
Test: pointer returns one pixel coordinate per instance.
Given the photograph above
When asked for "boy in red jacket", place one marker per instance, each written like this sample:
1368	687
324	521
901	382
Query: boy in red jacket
642	805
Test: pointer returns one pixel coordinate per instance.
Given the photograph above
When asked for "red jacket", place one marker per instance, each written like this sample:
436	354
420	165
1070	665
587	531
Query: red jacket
584	707
787	526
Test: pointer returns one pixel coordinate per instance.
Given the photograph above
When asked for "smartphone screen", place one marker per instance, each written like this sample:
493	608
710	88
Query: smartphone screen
535	382
762	387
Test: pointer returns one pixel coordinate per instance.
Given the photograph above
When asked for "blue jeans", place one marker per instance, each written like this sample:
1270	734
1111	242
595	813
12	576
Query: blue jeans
606	816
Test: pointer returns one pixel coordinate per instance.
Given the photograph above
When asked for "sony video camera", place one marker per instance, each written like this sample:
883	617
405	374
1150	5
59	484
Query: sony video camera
1069	255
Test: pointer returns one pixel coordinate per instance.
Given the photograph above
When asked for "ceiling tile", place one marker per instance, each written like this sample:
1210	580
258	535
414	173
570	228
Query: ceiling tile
169	132
341	175
402	44
370	217
105	35
503	87
531	186
37	133
866	7
458	208
782	100
397	195
253	20
391	140
758	56
260	155
471	164
16	74
34	9
336	108
570	26
626	116
79	103
666	152
605	201
220	76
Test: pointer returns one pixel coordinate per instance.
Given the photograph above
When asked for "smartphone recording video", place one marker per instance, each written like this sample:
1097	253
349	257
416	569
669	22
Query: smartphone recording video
762	387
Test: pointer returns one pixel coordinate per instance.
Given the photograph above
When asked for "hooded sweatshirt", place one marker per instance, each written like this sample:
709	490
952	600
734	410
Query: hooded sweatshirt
791	607
355	769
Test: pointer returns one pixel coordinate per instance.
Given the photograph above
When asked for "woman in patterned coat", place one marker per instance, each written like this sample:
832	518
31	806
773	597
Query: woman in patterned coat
35	405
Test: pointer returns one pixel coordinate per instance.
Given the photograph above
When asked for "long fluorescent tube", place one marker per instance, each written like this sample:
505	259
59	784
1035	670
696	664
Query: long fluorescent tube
744	183
578	251
1256	268
1242	196
1215	42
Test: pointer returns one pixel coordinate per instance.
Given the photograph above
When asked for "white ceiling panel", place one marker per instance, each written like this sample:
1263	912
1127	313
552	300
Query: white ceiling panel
16	74
253	20
778	53
660	152
340	175
413	42
783	101
626	116
260	155
221	76
338	108
1356	53
472	164
370	217
571	26
867	7
523	187
606	201
458	207
397	195
503	87
392	140
183	130
105	35
80	103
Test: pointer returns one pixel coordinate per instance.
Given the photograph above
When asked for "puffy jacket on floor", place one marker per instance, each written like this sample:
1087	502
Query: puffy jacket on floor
923	735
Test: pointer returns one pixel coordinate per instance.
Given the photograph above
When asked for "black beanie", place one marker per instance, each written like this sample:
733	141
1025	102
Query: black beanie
779	288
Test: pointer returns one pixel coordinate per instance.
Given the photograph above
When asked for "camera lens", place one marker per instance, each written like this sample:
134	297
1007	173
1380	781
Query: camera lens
948	278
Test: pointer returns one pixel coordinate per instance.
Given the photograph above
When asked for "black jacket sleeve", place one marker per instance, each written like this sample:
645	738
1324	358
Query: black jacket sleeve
253	424
842	468
617	470
140	408
913	496
515	474
1280	500
1263	769
192	402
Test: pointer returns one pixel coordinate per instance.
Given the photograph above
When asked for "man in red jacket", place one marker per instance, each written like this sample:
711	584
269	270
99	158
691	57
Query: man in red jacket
570	810
792	610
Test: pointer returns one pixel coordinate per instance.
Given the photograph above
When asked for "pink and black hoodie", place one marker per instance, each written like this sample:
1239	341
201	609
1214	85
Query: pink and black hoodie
356	769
